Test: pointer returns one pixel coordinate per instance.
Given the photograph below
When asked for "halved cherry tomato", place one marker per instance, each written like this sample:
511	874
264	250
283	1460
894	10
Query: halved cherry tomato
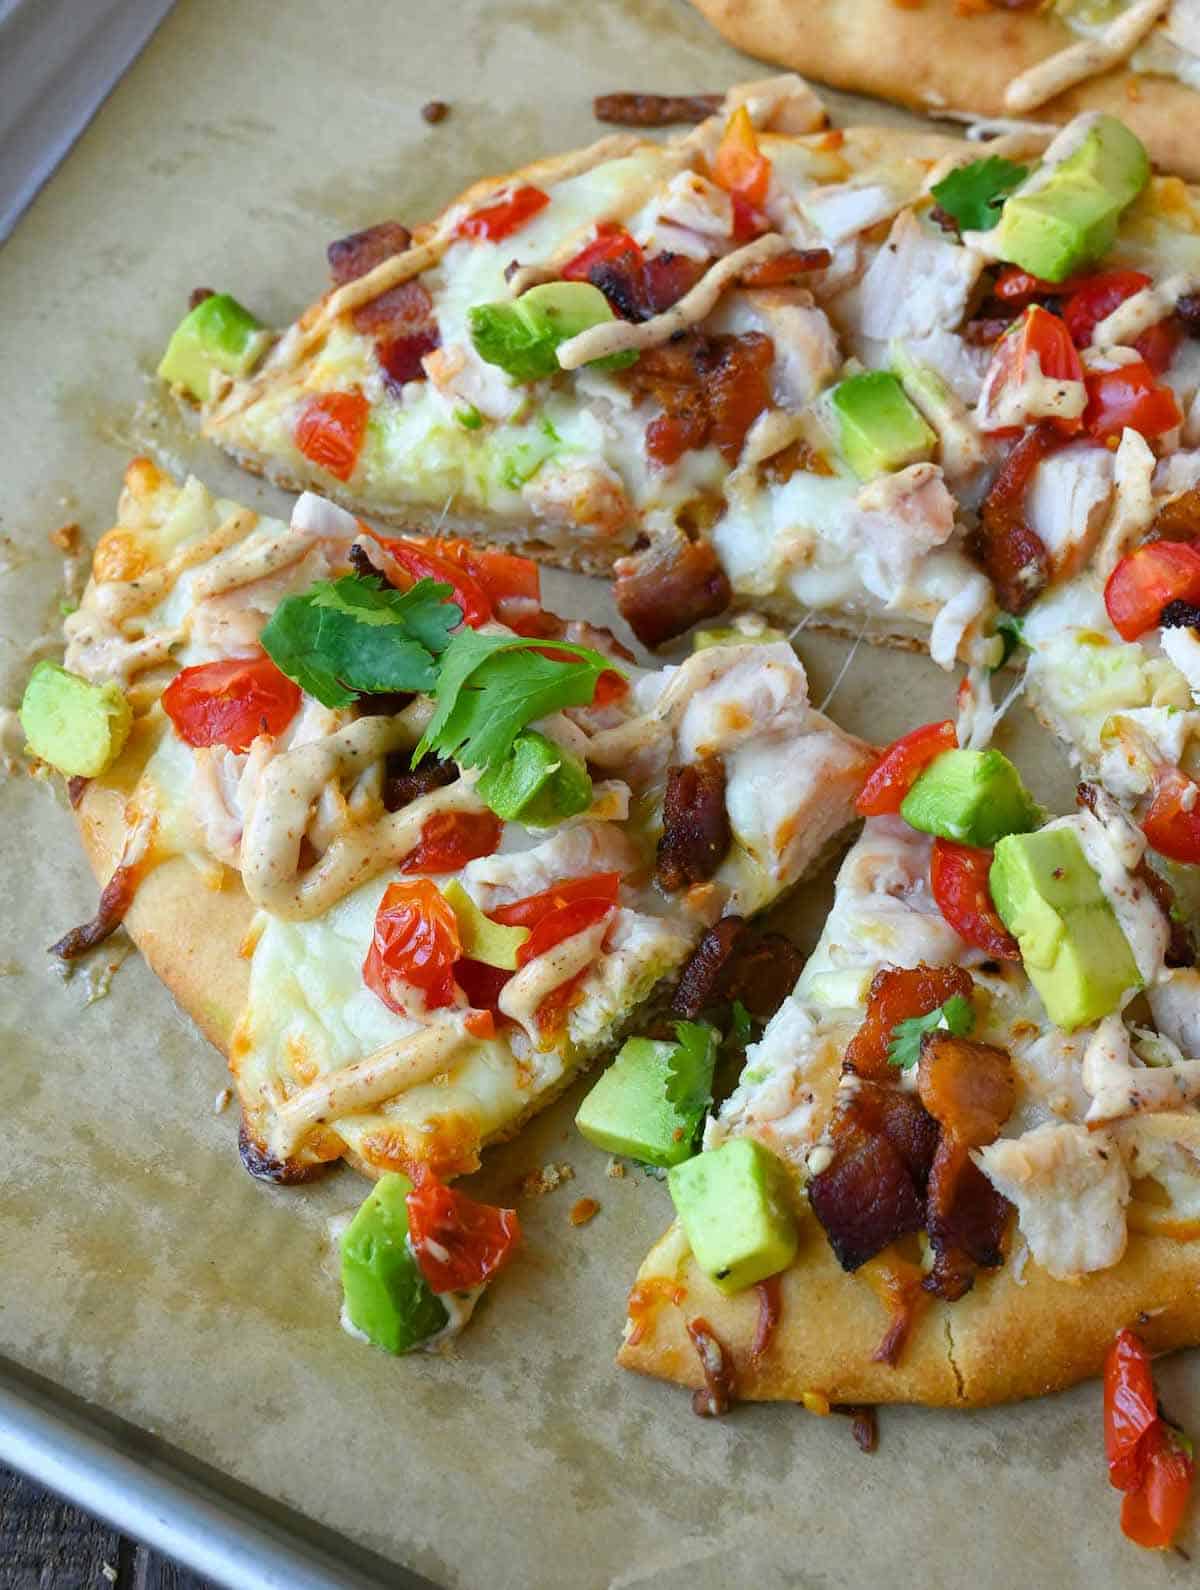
1151	1514
611	245
330	431
561	924
1146	580
450	839
1129	396
502	574
896	770
551	1015
1038	332
459	1244
749	222
610	687
505	216
415	945
424	560
229	703
535	907
1157	344
1130	1409
739	167
1093	298
1172	824
958	876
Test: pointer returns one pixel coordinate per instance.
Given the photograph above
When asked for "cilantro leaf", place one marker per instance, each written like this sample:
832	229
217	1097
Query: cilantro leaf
741	1026
489	687
690	1068
904	1049
973	194
345	636
1012	635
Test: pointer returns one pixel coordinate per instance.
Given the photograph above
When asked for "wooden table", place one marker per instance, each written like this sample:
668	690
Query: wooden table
46	1544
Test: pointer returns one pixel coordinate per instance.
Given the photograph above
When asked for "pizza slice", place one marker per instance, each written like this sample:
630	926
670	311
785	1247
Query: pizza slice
965	1151
412	850
989	61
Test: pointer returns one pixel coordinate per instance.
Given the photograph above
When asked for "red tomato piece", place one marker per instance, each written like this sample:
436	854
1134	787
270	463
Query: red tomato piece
330	431
1146	580
896	770
1151	1514
748	220
1129	396
610	687
425	560
611	245
229	703
551	1015
1094	298
1158	344
958	876
739	167
530	911
450	839
504	216
1041	333
459	1243
482	984
1015	286
415	945
562	924
1172	824
480	1023
1130	1409
502	574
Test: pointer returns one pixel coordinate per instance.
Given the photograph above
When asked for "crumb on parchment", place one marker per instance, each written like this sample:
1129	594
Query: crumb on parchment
536	1183
583	1210
615	1170
66	538
222	1100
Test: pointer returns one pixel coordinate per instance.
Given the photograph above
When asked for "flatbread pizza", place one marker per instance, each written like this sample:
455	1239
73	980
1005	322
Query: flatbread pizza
995	62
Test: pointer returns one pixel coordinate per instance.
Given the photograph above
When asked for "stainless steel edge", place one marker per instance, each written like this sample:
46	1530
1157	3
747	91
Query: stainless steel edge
149	1491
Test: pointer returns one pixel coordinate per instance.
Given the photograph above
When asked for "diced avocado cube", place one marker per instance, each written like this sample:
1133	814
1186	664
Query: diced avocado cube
1074	950
523	334
629	1110
219	334
78	727
481	938
972	797
736	1211
881	430
1071	220
386	1296
538	783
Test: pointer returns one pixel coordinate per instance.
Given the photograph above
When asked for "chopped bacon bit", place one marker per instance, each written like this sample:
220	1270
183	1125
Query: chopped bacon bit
986	329
716	1365
701	980
403	783
784	268
711	390
638	288
864	1424
762	974
198	295
1179	518
115	899
1008	549
583	1210
655	110
66	538
1181	950
897	994
770	1306
673	584
76	786
356	255
403	326
696	834
866	1197
646	1298
968	1087
434	111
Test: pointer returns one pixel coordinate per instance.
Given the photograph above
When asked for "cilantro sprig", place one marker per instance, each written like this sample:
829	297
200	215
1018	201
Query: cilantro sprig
344	637
489	687
904	1049
973	194
690	1068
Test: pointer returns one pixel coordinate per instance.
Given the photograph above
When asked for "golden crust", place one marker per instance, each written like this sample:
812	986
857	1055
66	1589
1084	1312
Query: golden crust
1008	1338
938	58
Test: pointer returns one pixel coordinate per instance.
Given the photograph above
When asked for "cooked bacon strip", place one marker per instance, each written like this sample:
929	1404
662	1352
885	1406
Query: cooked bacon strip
711	390
640	288
770	1307
701	980
655	110
403	783
762	974
115	900
970	1089
785	268
1178	519
353	256
403	326
696	834
1007	548
865	1199
716	1365
673	584
898	993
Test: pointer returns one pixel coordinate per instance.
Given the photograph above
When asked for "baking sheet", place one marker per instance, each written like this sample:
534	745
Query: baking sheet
140	1269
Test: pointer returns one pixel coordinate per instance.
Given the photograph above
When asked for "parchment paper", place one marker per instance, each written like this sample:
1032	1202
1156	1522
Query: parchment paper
139	1266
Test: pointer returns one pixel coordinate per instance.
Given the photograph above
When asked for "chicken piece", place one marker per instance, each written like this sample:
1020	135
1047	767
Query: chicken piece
1121	1085
692	216
898	519
1068	502
464	380
917	283
580	492
807	356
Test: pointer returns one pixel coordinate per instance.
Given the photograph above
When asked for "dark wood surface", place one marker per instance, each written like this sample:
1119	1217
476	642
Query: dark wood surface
46	1544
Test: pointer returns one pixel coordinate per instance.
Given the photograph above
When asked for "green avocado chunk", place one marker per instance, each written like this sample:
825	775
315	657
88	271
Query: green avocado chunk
972	797
78	727
1070	220
219	334
538	783
731	635
881	430
1072	945
736	1211
523	334
481	938
386	1296
630	1111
